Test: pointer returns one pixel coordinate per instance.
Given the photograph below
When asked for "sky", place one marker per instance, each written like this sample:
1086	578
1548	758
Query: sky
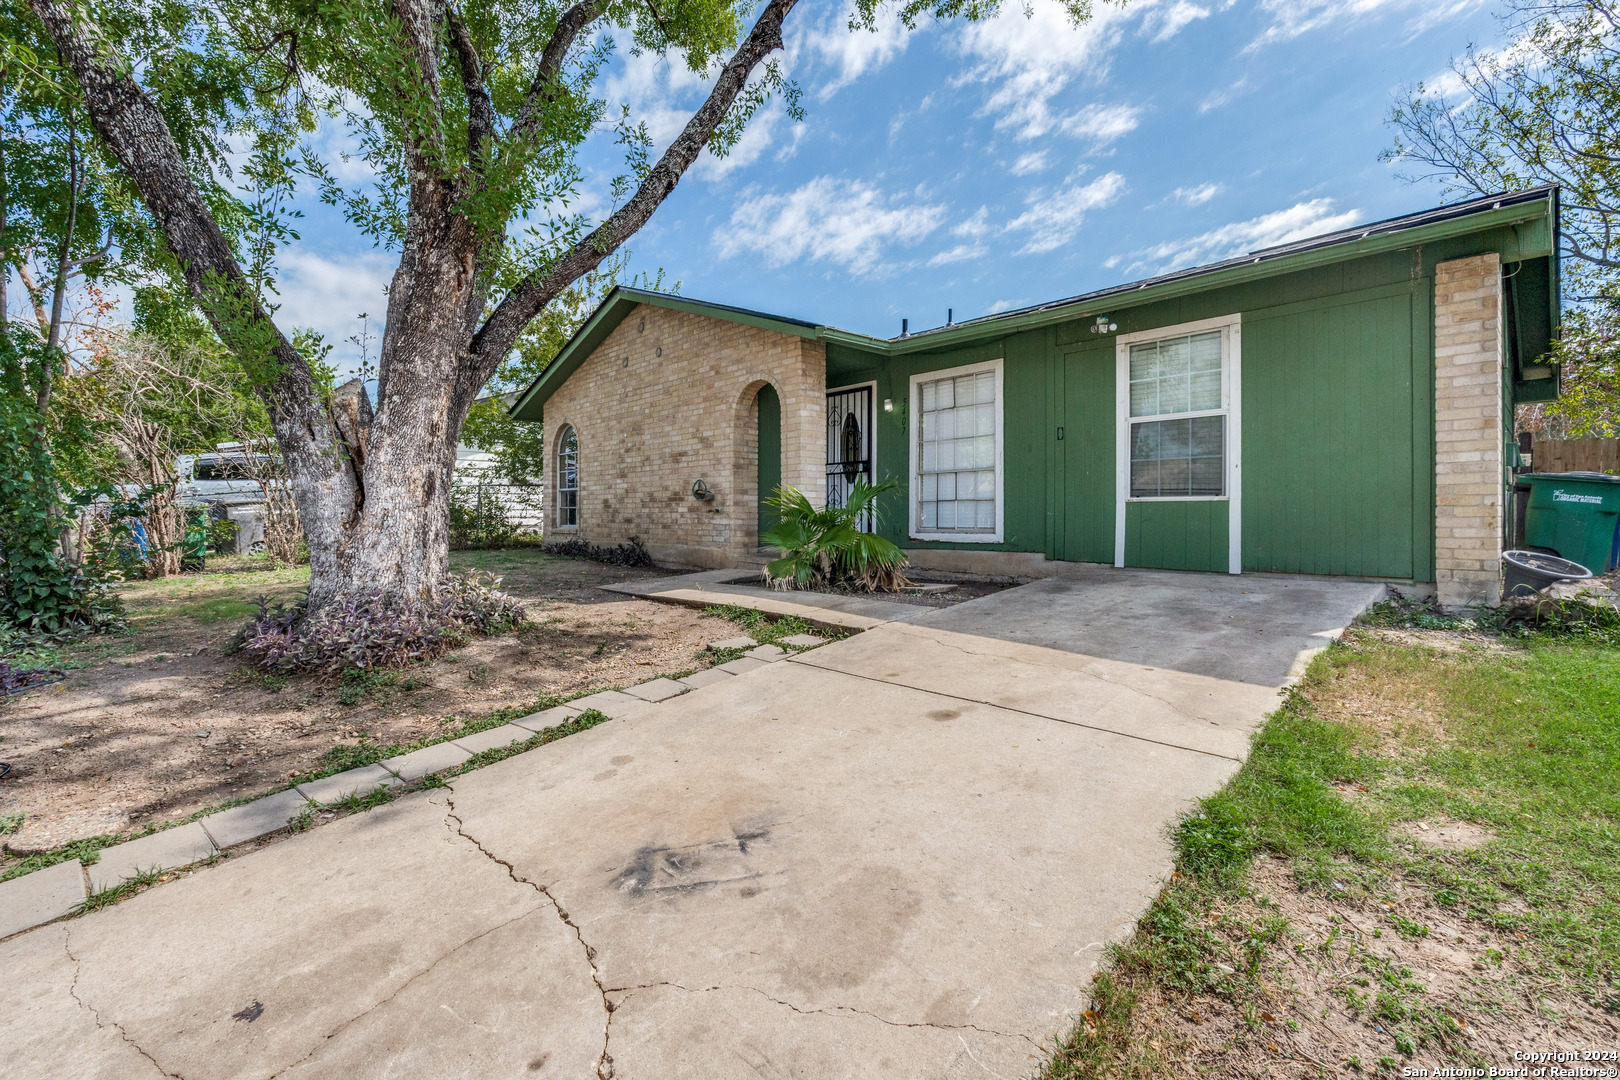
983	167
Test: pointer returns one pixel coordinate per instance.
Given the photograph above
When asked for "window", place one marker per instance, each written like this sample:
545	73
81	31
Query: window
956	480
1179	428
567	479
1178	417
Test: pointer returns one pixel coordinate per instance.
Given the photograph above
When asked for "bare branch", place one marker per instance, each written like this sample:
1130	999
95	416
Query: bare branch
101	253
36	298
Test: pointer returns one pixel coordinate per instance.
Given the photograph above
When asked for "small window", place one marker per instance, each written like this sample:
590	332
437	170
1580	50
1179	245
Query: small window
567	479
956	491
1178	417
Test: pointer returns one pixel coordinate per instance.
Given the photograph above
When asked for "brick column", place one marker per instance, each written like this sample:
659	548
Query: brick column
1468	485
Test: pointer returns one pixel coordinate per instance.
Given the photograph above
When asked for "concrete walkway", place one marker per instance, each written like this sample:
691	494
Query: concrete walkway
900	855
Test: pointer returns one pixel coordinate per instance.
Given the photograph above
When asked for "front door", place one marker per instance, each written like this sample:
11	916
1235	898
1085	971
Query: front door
769	477
849	443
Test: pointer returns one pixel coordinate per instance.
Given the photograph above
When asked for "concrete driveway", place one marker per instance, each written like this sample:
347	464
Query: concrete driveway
900	855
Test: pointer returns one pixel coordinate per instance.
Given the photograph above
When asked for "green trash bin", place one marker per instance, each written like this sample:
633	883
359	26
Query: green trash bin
1575	516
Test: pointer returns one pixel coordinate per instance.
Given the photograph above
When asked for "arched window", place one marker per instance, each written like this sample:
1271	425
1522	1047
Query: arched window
567	479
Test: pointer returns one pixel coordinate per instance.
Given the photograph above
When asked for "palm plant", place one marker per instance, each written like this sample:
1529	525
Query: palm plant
827	547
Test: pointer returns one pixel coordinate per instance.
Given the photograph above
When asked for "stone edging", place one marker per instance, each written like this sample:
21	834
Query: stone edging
59	891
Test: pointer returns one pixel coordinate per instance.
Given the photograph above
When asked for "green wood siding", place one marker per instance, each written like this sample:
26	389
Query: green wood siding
770	456
1176	534
1328	463
1337	388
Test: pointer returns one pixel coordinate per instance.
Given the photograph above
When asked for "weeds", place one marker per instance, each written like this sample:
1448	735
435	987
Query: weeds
381	687
764	629
1523	743
143	880
631	553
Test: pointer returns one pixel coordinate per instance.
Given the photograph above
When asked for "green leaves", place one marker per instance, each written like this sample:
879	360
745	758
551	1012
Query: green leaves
827	547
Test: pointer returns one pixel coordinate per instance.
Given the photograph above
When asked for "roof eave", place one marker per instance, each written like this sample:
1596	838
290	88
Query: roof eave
1125	296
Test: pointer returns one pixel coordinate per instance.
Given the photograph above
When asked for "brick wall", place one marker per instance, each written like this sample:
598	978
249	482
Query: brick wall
669	398
1468	462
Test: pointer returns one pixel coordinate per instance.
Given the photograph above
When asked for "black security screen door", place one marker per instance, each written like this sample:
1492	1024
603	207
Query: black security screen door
849	443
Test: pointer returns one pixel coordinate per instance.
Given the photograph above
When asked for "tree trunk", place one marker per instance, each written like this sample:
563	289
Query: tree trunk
373	492
394	543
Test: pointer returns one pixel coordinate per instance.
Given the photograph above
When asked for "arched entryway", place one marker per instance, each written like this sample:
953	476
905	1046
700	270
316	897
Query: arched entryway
768	412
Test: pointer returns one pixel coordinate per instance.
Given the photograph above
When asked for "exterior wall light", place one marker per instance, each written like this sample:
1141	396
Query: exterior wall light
1104	325
888	404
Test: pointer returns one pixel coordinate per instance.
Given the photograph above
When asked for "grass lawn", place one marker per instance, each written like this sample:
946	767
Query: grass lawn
1419	866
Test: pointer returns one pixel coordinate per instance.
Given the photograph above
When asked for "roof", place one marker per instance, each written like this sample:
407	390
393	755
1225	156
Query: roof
1426	226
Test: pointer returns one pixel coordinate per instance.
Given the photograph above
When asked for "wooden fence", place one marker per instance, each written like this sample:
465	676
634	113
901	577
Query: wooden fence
1576	455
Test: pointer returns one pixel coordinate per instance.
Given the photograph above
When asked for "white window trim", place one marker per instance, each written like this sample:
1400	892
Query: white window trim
1232	396
556	464
914	419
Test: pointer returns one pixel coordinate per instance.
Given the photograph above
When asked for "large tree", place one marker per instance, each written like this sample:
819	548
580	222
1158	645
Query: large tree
1543	108
471	113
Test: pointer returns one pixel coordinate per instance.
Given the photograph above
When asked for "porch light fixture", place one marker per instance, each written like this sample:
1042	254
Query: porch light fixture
888	404
1104	325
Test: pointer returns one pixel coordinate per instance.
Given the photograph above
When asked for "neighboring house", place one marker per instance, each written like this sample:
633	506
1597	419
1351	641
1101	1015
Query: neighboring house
1340	405
475	474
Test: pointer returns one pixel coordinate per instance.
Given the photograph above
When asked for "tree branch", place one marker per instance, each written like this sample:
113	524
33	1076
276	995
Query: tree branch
36	298
547	77
480	112
136	133
420	23
500	331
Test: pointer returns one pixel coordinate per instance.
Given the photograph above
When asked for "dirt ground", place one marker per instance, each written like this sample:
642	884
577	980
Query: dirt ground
161	723
956	590
1352	976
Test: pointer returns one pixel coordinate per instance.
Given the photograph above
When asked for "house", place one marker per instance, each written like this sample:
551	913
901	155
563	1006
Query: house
1340	405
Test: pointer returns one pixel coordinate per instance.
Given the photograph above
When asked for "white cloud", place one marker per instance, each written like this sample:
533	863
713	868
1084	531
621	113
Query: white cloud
1216	98
756	139
973	230
660	94
847	223
976	226
1054	217
1291	18
1104	123
959	253
1031	60
1171	19
1304	219
663	95
328	294
850	53
1195	196
1032	162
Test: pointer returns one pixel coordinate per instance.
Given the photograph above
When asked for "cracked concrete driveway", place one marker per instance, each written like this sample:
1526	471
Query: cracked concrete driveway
900	855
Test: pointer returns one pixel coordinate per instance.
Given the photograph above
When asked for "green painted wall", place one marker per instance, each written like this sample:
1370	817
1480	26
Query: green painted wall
1338	427
1331	472
770	456
1177	535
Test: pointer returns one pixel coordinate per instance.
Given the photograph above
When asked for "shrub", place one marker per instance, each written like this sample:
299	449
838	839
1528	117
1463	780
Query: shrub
368	633
827	548
631	553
